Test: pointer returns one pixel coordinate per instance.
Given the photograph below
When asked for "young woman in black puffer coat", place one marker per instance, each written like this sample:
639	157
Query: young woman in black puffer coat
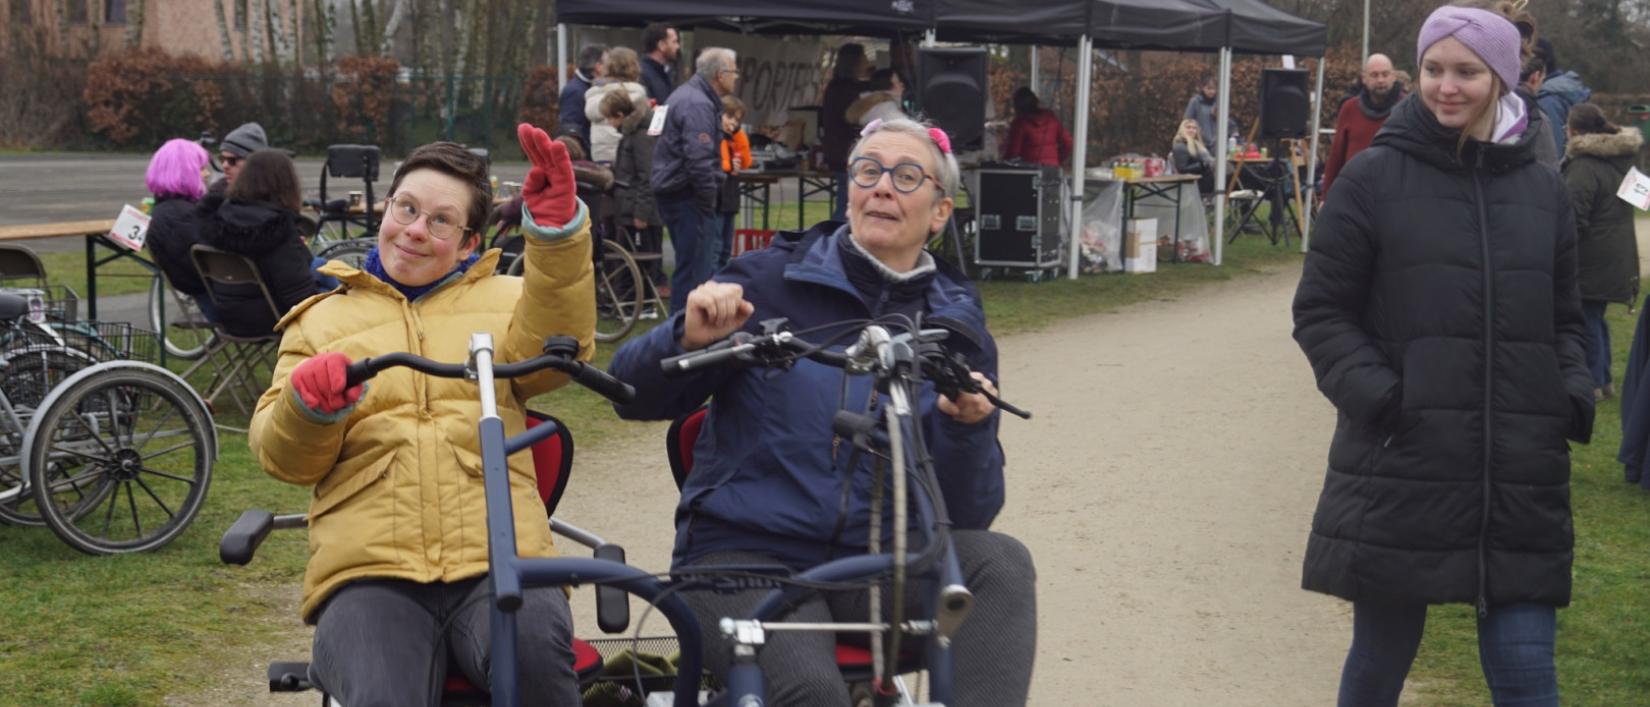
258	218
1596	159
1440	312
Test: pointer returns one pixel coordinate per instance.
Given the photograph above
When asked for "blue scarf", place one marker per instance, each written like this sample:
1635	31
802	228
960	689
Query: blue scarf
375	267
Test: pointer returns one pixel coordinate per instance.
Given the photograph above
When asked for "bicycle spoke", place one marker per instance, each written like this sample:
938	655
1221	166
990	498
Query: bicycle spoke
169	450
132	502
91	431
165	475
109	516
114	406
151	492
74	482
77	453
171	410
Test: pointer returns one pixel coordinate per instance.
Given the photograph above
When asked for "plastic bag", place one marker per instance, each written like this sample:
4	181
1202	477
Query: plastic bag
1101	248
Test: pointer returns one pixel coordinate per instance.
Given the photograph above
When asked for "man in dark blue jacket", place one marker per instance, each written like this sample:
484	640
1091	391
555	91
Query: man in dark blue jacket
660	48
571	116
687	169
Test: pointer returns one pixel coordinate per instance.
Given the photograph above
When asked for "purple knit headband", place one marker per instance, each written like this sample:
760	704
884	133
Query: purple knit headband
1489	35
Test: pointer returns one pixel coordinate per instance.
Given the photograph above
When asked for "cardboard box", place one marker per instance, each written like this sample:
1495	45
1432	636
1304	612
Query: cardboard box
1140	246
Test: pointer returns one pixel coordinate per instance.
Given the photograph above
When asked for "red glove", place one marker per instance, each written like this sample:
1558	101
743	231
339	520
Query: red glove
320	383
549	192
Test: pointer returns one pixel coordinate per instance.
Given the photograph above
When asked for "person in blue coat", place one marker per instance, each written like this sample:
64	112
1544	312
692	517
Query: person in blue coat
571	114
772	485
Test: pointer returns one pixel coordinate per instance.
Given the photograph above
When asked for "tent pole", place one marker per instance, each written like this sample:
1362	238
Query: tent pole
1079	151
1366	34
1221	121
928	38
561	55
1036	71
1312	159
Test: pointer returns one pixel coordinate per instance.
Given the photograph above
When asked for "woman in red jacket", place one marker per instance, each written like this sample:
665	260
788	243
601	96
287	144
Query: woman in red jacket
1035	136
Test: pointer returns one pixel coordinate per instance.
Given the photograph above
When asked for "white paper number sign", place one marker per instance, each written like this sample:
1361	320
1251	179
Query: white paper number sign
130	228
1635	189
656	127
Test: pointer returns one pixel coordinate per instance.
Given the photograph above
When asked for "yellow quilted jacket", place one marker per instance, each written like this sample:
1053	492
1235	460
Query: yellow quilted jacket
398	486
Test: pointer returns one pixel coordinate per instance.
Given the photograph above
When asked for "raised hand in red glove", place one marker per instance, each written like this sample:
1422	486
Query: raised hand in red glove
319	382
549	192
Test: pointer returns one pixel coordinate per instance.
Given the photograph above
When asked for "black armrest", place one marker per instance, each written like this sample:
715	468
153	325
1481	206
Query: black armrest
241	541
288	677
612	603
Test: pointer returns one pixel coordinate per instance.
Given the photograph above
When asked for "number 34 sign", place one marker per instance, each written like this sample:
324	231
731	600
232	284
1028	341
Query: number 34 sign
130	228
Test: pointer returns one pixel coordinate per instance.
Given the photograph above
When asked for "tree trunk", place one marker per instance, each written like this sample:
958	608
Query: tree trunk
134	23
391	26
297	39
243	25
223	31
61	8
369	29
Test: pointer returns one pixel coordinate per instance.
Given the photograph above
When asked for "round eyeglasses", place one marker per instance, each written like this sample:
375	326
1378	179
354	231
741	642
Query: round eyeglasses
441	225
866	171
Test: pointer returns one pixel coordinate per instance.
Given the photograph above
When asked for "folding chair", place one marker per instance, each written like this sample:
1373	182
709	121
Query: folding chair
348	162
234	358
20	267
552	466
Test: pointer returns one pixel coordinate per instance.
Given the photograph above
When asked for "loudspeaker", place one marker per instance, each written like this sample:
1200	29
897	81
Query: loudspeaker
1285	105
951	93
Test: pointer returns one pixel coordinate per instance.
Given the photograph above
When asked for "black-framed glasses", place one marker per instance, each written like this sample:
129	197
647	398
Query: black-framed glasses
442	225
866	171
230	160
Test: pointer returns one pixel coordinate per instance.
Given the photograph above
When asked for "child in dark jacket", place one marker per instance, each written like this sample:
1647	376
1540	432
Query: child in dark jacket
258	218
632	167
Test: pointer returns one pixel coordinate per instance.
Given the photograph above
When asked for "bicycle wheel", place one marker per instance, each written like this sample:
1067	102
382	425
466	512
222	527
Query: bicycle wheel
619	291
353	252
187	333
28	376
120	458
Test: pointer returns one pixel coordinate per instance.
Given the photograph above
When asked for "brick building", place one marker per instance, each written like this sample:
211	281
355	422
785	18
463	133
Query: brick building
86	28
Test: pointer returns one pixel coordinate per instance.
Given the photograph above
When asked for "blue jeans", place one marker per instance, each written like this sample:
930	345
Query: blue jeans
724	239
693	235
1515	649
839	212
323	283
1598	341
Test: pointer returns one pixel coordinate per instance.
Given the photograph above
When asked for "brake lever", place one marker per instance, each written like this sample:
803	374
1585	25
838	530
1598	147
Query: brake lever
951	377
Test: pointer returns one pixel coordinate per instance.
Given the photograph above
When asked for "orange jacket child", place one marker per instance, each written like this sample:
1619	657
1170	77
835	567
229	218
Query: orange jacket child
735	148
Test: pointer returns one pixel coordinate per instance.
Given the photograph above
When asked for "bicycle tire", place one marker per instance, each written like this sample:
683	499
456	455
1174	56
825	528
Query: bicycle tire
30	375
619	291
123	407
352	252
187	334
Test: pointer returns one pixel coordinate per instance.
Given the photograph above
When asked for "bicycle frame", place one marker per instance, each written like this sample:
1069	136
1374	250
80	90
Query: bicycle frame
893	362
509	573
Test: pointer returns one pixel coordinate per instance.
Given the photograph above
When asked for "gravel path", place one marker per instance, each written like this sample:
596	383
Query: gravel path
1165	487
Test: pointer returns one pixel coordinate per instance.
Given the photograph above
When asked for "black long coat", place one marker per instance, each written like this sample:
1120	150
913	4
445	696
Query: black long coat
268	235
1593	169
174	228
1440	312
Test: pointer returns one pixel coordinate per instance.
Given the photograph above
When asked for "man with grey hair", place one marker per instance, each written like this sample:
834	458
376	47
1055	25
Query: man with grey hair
571	116
687	169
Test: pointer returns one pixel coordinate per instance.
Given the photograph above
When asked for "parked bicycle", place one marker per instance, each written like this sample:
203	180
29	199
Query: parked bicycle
115	454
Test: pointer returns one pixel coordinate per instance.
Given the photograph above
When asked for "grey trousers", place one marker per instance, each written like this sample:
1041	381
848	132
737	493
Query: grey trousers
377	643
991	654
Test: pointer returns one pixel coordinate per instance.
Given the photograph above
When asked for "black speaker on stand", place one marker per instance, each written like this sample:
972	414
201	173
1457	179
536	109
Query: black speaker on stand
951	93
1285	104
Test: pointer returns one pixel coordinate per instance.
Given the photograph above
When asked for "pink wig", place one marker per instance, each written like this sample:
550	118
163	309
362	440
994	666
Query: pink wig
175	170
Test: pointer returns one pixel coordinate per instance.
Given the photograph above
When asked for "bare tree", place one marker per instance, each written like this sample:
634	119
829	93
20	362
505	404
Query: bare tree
135	14
392	25
223	30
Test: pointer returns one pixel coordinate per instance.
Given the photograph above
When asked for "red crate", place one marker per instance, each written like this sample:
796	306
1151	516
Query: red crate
749	239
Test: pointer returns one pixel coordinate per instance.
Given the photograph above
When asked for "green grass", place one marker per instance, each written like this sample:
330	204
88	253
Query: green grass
132	630
121	277
1603	634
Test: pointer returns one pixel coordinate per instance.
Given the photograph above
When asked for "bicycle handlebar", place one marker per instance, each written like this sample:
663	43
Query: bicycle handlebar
560	353
948	371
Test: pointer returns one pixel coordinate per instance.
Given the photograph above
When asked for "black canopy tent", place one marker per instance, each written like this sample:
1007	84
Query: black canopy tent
1224	26
875	18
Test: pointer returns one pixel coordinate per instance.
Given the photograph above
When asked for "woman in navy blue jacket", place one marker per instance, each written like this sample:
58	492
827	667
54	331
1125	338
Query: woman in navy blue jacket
767	486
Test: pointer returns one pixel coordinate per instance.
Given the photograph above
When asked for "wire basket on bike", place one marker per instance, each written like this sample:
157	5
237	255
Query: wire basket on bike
110	341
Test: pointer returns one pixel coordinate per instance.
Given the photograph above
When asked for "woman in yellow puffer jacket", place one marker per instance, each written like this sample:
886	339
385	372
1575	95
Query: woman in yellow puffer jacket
397	569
